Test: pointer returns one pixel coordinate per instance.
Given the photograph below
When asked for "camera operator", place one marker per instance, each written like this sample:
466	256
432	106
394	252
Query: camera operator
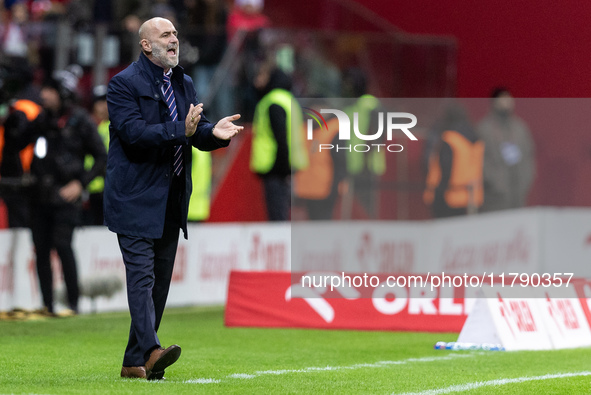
62	134
18	96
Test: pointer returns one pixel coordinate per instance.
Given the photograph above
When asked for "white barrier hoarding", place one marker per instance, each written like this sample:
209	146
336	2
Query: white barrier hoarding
566	241
360	246
495	242
201	268
527	240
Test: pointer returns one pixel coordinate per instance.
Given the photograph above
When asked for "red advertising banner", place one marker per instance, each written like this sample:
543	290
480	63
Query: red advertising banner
264	299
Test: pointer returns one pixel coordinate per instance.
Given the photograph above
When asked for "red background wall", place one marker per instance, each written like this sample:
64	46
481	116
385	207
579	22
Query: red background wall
539	48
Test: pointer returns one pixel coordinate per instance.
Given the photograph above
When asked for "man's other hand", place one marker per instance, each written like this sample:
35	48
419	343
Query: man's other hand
193	118
225	129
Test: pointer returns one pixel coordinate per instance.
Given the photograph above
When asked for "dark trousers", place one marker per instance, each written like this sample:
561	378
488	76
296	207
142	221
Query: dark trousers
149	264
53	227
277	197
18	211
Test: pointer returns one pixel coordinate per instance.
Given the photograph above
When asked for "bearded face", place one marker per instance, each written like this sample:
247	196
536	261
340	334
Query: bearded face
166	54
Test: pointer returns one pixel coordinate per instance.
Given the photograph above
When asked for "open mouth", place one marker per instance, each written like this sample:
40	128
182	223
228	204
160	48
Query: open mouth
171	51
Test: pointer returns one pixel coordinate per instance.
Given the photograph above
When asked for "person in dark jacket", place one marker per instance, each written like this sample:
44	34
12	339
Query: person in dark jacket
156	119
63	134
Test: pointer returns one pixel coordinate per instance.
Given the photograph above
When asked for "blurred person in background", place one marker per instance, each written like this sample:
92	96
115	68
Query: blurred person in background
318	186
247	15
51	19
156	119
454	159
278	141
509	161
364	169
14	34
63	134
100	115
17	103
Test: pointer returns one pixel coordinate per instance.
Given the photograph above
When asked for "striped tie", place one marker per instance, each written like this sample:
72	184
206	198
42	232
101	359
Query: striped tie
171	102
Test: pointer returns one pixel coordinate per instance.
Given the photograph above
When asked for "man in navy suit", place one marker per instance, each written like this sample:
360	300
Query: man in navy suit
155	120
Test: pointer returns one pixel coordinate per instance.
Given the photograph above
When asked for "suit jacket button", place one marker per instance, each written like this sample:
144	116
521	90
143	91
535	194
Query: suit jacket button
156	96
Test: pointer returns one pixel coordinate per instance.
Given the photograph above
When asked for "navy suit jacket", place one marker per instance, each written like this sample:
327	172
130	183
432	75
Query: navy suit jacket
142	137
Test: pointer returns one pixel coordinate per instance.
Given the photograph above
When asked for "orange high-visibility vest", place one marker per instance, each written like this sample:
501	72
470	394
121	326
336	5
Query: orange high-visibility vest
315	181
31	111
465	181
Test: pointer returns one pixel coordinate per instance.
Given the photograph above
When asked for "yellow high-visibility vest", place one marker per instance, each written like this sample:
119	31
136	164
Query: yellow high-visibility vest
97	185
200	202
374	160
264	145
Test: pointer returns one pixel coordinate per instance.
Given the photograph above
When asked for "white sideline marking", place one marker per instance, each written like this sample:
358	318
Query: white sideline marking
379	364
498	382
202	381
241	376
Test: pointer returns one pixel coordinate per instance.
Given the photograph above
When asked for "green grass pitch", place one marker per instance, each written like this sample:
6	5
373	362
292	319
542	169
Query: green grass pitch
82	355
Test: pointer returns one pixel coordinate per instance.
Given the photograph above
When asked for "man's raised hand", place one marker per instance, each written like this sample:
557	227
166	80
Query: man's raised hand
225	129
